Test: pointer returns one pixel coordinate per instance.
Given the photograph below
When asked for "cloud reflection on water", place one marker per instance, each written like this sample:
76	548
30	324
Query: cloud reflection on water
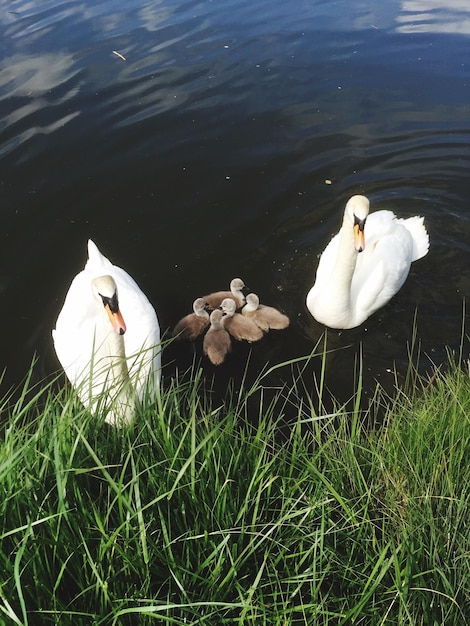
29	87
430	16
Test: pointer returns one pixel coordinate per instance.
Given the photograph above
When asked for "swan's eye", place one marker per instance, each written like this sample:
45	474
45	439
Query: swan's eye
359	223
112	302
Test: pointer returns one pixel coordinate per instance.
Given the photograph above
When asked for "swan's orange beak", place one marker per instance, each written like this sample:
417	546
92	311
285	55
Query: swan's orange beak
359	241
116	319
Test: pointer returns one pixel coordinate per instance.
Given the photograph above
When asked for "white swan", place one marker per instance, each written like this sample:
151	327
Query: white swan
365	264
103	352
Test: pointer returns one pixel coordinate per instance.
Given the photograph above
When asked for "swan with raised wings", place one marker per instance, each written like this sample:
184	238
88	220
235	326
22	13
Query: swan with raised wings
365	264
107	338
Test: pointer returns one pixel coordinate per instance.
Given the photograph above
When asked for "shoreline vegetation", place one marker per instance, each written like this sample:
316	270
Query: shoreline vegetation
224	513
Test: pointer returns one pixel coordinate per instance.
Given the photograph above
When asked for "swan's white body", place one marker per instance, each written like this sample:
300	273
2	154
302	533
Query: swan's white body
355	278
89	349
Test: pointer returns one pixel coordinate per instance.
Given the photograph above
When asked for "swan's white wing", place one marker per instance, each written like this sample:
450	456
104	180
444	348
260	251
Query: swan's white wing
78	326
383	266
318	300
419	235
326	264
142	337
79	334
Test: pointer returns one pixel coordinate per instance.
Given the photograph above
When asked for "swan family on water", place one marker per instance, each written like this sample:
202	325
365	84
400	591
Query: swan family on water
107	335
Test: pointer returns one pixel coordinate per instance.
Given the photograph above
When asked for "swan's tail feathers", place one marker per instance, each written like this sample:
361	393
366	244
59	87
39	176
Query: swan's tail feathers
93	252
415	225
96	260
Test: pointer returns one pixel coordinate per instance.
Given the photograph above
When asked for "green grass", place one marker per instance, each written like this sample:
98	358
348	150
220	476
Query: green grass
202	514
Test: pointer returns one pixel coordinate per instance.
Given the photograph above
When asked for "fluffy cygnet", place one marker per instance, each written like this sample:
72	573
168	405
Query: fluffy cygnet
217	343
194	324
214	300
266	317
238	326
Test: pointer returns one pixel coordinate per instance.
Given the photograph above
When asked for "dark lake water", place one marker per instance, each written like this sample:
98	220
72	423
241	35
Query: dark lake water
206	154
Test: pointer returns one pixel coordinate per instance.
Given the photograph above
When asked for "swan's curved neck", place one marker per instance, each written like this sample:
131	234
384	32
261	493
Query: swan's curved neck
117	351
122	394
343	270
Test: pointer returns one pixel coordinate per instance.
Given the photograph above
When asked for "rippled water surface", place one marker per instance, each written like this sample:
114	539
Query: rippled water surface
198	141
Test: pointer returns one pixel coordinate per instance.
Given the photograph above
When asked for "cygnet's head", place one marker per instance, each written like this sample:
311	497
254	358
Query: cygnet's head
216	318
228	306
253	301
236	284
199	306
105	292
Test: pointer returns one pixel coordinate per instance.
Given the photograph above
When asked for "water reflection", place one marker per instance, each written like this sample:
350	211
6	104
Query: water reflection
34	77
432	16
32	92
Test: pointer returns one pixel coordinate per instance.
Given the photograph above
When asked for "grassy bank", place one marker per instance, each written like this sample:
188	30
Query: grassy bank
203	514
